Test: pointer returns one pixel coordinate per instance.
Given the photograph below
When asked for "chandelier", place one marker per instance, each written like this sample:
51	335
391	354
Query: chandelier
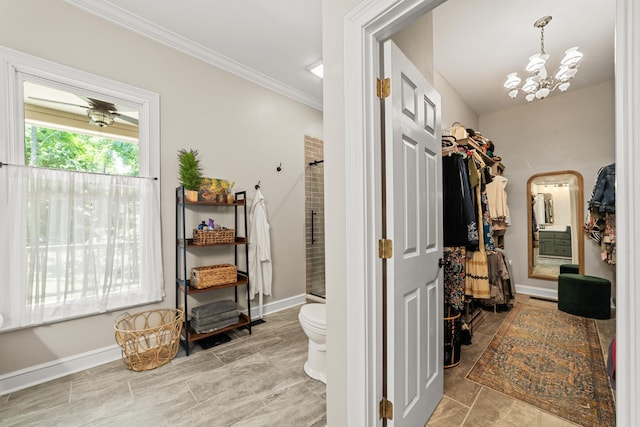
539	84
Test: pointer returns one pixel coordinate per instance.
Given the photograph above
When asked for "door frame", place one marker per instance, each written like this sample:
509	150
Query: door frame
374	21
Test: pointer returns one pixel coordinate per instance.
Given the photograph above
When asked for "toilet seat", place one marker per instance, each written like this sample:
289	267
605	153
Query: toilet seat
314	316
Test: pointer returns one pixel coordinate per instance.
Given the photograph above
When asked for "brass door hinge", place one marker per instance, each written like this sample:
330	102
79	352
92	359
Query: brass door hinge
385	248
386	409
383	88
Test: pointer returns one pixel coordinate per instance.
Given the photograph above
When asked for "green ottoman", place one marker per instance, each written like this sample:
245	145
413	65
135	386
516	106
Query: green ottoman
569	268
586	296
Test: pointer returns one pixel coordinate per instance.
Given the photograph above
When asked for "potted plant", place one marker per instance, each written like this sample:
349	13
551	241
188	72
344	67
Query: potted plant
190	173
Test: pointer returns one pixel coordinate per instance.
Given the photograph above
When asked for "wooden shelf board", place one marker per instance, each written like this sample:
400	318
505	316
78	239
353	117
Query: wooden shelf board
212	203
238	241
193	336
242	280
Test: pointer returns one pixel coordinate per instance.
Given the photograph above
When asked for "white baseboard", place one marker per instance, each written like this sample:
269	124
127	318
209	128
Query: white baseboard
275	306
534	291
38	374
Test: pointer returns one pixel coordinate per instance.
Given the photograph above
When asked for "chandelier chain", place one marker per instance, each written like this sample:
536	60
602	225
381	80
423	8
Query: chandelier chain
542	41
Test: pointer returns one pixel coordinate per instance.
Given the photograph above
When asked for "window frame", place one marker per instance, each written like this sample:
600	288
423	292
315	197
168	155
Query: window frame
16	66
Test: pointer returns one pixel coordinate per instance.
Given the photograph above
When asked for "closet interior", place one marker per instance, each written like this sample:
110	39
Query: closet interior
477	273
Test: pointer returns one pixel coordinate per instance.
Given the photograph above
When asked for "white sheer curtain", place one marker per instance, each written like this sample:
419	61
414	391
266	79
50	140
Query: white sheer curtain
74	244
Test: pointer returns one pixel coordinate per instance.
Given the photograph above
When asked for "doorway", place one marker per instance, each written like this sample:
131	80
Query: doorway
365	27
314	217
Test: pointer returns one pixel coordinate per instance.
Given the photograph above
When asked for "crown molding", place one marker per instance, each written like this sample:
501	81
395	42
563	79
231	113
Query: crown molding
115	14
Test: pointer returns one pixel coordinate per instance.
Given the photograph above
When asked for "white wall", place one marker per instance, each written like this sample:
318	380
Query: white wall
454	108
333	13
243	132
571	131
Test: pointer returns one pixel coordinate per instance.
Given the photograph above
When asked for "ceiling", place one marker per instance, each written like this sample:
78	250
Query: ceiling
476	44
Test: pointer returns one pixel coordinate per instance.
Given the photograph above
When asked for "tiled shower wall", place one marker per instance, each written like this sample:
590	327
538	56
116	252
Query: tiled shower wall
314	206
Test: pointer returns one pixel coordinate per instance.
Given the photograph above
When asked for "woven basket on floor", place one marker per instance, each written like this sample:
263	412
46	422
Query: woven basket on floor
149	339
213	275
213	237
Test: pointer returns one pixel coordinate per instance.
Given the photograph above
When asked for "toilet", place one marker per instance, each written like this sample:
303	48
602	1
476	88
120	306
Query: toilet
313	319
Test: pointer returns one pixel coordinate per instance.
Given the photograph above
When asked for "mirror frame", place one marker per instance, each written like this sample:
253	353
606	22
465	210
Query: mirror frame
579	215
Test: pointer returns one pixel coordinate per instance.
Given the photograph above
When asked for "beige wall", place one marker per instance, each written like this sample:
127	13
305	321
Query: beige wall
243	132
454	108
571	131
416	42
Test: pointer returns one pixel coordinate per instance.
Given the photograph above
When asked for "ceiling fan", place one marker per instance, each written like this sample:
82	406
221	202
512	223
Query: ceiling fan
100	113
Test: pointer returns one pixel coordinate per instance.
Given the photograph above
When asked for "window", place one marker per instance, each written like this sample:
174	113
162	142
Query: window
79	200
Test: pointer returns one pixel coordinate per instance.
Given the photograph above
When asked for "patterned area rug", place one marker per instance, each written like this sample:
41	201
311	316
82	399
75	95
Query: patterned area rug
552	360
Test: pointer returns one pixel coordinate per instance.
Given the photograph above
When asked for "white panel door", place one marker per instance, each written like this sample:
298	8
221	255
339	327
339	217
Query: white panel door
414	222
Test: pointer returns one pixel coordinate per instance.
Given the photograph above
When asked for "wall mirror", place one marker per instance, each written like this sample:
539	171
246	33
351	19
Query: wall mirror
555	213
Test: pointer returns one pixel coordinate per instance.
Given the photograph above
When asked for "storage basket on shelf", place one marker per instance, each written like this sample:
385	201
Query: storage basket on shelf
213	275
150	338
212	237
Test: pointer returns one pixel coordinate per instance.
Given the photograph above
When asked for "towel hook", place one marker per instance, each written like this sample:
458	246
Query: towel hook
279	168
258	185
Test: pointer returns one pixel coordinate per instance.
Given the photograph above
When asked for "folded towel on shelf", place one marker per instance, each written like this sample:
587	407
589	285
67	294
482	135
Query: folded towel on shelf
217	317
213	308
211	327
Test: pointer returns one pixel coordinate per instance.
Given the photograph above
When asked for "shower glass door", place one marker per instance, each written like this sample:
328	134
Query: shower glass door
314	221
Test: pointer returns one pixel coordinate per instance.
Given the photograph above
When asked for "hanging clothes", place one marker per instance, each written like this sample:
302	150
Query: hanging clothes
601	218
477	270
260	269
460	222
454	276
497	200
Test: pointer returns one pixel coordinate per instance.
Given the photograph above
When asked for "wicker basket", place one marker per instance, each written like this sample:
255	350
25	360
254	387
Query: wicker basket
149	339
213	237
213	275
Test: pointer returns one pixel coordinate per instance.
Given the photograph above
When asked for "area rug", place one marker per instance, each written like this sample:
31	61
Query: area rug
551	360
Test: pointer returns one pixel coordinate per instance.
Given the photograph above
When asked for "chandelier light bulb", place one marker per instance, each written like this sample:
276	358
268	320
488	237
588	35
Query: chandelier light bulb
571	57
539	84
542	93
536	62
512	81
530	85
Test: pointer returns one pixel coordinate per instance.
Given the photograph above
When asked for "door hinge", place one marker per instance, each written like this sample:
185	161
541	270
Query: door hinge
383	88
385	248
386	409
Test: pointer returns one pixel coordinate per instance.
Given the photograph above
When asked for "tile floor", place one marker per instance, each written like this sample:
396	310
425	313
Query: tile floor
253	380
466	403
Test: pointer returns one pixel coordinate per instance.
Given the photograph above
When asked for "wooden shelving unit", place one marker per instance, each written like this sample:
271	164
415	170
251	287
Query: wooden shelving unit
184	244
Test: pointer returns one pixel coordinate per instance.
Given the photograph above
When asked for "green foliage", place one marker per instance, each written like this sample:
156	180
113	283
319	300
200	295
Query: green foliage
50	148
190	171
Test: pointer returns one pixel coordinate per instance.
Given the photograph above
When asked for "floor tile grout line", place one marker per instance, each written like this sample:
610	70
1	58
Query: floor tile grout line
471	407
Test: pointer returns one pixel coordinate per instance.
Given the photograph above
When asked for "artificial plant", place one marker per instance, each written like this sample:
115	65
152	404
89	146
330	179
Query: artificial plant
190	171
